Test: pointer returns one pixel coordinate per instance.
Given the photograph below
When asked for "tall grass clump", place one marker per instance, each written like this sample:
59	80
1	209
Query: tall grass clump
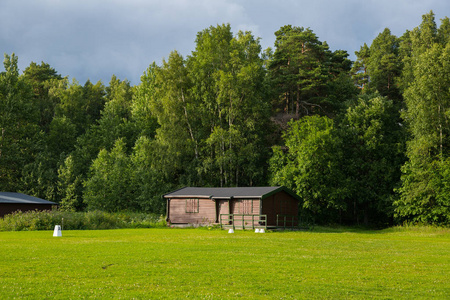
92	220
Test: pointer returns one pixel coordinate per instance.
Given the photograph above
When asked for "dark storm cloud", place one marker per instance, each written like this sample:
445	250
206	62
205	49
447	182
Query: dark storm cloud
93	39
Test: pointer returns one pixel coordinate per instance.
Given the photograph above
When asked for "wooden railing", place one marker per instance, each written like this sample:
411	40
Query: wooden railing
295	222
287	221
243	221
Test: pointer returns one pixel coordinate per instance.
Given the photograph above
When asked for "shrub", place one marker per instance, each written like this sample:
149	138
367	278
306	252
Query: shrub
46	220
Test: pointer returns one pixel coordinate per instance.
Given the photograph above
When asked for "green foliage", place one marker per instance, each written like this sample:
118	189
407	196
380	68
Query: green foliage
301	70
19	130
211	112
311	164
176	140
147	183
141	110
69	186
119	181
211	118
81	104
43	79
360	74
92	220
424	192
379	66
115	121
38	178
374	151
108	186
344	173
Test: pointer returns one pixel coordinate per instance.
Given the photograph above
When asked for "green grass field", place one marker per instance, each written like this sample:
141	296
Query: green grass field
199	263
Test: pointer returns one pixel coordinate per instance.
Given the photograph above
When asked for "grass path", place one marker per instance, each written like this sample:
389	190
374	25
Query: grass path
200	263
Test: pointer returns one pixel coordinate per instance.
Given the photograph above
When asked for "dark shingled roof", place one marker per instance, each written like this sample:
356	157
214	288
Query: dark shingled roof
229	192
18	198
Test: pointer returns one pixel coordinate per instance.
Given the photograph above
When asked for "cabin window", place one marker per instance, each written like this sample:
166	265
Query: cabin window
245	207
192	205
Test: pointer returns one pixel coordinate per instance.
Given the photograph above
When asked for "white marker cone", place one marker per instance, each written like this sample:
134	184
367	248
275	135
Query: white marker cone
230	231
57	231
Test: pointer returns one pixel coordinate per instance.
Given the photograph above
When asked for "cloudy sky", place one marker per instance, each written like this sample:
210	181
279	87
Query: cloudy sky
94	39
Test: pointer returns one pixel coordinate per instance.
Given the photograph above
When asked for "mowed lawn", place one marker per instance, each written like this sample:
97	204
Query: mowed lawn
201	264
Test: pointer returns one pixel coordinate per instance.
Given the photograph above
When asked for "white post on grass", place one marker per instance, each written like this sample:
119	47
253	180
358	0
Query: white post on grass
57	231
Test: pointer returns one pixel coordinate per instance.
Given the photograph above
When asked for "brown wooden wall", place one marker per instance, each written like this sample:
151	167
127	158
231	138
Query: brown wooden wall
209	211
279	204
8	208
206	212
245	206
223	207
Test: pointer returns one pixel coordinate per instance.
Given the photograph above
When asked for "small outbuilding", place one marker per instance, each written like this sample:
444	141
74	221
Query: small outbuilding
240	207
11	202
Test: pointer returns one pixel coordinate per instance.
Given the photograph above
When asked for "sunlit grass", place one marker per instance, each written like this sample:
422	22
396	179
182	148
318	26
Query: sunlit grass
199	263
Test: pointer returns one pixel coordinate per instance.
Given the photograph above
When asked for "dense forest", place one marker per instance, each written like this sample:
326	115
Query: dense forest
363	142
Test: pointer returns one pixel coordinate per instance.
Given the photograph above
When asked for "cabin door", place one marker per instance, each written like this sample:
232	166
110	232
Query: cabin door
223	207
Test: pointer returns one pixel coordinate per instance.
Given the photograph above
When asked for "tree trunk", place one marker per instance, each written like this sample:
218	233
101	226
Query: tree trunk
286	97
366	215
1	145
189	124
222	174
440	131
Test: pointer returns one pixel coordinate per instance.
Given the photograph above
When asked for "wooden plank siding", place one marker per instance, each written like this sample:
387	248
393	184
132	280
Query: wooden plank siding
179	214
194	205
223	207
246	207
279	204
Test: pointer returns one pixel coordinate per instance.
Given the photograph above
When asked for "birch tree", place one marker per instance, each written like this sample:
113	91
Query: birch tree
424	190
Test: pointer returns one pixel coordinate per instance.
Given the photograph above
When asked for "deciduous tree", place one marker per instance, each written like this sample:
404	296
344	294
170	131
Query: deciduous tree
310	164
19	130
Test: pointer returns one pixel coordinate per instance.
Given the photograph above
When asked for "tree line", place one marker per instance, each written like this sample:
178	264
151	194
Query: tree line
359	142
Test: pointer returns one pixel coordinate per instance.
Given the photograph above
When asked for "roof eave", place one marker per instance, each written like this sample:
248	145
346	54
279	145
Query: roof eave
279	189
222	198
188	196
247	197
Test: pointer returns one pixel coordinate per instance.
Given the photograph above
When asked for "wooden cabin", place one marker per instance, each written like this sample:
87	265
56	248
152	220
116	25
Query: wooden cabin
12	202
236	206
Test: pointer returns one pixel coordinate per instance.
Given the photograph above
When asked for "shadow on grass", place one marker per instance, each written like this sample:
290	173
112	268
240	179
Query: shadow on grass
335	229
371	230
346	229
